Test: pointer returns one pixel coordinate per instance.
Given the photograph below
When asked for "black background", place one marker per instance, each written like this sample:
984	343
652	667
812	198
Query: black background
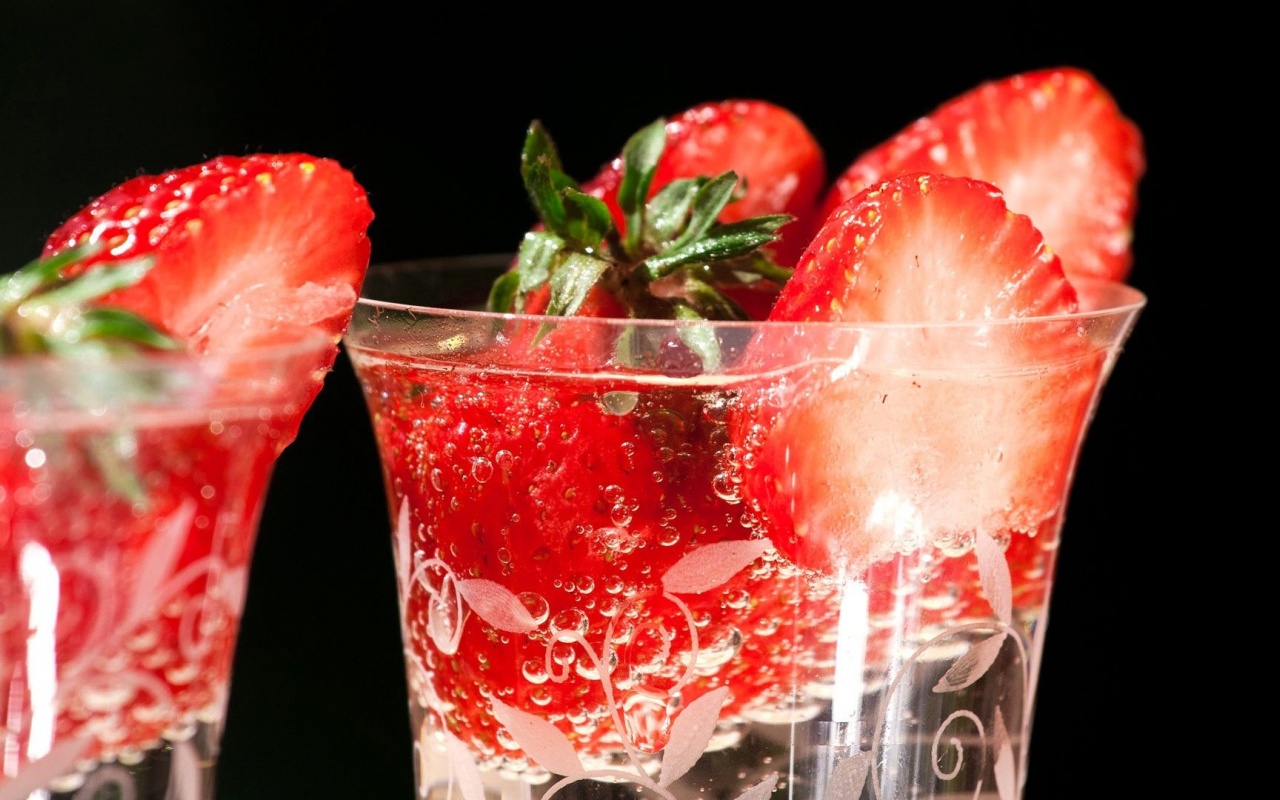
428	109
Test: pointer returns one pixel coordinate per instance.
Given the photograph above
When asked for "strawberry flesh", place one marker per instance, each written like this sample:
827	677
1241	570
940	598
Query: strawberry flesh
1056	144
244	246
932	435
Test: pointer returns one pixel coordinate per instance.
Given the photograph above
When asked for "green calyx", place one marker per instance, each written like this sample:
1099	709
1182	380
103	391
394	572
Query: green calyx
43	312
670	260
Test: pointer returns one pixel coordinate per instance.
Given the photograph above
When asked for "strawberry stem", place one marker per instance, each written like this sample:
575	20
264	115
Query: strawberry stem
45	311
667	257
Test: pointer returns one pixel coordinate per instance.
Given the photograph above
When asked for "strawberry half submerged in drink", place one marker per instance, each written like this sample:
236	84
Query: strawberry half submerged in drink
153	365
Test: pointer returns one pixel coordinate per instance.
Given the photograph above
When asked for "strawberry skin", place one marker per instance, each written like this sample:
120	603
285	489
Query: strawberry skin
243	245
579	508
935	433
1056	144
781	163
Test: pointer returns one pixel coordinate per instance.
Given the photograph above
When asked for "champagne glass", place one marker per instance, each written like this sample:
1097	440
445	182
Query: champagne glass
743	560
130	492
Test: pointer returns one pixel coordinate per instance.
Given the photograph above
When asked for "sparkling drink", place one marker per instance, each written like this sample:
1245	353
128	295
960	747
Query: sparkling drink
819	566
129	503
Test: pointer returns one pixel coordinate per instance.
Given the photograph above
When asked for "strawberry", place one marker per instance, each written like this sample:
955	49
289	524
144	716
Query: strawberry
556	499
930	436
244	247
1056	144
145	519
637	253
767	166
781	164
576	494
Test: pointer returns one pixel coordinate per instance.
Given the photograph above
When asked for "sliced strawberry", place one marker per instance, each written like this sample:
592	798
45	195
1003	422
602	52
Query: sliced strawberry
779	160
245	248
927	434
925	248
1055	143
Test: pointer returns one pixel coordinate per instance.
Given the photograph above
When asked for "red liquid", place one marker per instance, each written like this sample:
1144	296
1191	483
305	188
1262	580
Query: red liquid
578	494
119	612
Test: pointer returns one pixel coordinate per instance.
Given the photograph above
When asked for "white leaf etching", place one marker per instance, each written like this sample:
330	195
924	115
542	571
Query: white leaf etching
711	565
972	665
496	605
1006	775
690	733
157	562
761	790
849	776
60	761
403	551
464	768
542	741
993	572
446	614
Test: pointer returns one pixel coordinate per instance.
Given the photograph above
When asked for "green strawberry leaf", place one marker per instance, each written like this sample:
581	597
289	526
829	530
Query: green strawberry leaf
640	161
92	284
587	219
712	197
504	295
701	339
545	196
665	257
669	211
572	281
709	302
539	147
114	323
720	242
23	282
43	312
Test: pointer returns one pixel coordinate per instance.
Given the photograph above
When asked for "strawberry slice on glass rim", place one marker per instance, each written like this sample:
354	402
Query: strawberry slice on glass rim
246	249
965	398
1055	142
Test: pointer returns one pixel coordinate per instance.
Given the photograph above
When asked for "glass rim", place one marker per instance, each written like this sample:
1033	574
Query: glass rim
1115	298
279	345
